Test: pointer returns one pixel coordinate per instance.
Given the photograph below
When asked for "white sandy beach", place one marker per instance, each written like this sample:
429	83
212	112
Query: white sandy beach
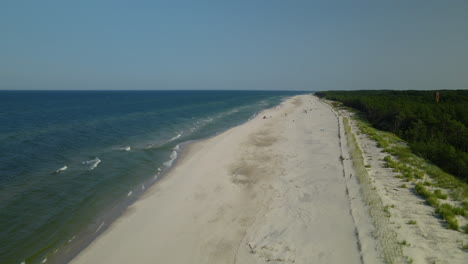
271	190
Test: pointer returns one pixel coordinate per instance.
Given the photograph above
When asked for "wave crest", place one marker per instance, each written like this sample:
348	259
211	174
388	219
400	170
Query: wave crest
173	156
92	163
64	168
127	148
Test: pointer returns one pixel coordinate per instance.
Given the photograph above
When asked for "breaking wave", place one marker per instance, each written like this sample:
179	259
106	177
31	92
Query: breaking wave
127	148
92	163
64	168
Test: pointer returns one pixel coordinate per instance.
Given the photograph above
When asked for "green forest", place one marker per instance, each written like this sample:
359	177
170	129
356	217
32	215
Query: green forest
433	123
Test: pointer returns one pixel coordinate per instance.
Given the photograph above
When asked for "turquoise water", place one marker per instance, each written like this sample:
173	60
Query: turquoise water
70	161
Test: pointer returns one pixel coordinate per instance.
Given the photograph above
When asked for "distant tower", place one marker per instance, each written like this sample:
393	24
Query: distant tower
437	97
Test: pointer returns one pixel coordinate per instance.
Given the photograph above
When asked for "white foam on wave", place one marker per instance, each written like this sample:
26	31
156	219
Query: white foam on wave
176	137
127	148
92	163
230	112
173	156
99	228
129	193
64	168
176	148
71	239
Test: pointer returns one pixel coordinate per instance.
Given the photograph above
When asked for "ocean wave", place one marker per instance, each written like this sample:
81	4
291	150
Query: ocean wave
253	116
231	112
179	134
62	169
173	156
177	147
127	148
92	163
99	228
202	122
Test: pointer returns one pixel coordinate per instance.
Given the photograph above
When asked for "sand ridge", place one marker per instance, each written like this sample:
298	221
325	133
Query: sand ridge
269	191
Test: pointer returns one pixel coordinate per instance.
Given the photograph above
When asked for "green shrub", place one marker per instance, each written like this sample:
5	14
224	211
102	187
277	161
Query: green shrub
390	163
433	201
387	211
404	243
438	193
458	211
452	223
445	211
421	190
419	175
465	205
412	222
426	183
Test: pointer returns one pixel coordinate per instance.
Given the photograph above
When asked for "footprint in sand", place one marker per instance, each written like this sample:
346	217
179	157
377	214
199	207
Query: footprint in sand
275	251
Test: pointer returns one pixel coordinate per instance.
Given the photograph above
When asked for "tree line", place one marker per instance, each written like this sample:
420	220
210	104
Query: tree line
433	123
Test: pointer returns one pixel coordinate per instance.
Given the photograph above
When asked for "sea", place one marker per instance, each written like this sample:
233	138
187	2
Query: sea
72	161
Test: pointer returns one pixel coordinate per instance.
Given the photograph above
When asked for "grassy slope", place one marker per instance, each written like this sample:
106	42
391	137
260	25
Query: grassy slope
446	193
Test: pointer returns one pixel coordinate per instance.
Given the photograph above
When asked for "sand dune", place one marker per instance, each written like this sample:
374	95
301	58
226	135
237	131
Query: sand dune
269	191
427	240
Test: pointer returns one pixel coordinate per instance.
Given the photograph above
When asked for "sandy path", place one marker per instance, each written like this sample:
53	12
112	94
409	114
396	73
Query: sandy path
271	190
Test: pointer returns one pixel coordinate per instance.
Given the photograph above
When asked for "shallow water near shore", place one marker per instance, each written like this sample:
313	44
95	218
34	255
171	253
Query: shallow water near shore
67	158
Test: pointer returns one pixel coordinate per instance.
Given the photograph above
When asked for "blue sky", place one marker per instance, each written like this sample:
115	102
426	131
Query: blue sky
272	45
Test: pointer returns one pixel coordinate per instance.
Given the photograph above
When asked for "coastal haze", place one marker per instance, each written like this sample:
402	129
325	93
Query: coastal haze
266	45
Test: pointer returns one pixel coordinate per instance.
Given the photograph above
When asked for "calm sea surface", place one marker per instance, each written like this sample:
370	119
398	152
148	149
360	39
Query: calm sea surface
70	161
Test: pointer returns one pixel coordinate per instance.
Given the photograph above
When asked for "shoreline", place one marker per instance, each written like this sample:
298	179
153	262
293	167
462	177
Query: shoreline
235	179
108	158
78	243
